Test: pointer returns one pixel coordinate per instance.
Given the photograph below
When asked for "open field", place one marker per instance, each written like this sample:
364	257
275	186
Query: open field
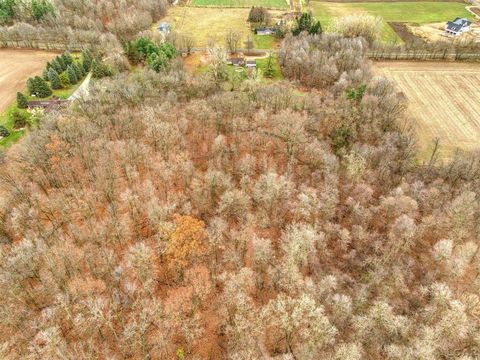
272	4
209	23
16	66
421	12
444	101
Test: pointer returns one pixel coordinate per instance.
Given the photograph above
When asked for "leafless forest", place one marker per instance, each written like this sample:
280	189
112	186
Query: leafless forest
171	216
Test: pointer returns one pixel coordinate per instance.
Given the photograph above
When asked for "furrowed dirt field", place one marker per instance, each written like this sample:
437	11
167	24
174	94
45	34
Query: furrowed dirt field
444	101
16	66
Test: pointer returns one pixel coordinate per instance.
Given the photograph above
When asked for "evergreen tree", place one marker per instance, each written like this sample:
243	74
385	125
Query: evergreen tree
56	65
61	62
3	131
31	86
269	70
77	70
45	74
22	102
307	23
86	60
54	79
41	88
19	119
67	58
64	80
72	76
100	69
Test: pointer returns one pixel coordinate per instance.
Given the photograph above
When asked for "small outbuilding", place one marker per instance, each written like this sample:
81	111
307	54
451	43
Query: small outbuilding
164	27
457	26
236	61
251	64
265	31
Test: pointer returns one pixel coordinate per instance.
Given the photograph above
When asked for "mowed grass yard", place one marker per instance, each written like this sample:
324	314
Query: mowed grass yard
271	4
212	23
422	12
443	101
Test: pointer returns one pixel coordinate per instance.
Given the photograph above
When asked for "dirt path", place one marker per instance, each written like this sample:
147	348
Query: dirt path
82	90
16	66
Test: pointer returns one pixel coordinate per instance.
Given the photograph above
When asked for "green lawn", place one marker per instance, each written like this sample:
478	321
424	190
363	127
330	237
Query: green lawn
272	4
262	65
265	42
6	116
422	12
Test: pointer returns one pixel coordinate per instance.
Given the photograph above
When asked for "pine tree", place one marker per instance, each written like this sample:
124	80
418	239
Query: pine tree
56	65
77	70
41	87
72	76
67	58
45	74
86	60
61	62
31	86
100	69
22	102
64	80
54	79
269	70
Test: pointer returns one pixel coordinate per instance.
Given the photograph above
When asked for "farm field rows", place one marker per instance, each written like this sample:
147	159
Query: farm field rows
273	4
444	102
421	12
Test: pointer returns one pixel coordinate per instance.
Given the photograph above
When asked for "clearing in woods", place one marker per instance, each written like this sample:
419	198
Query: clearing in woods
16	66
443	100
206	24
272	4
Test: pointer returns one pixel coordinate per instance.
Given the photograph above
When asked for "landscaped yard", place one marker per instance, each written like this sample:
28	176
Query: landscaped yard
412	12
272	4
210	23
265	41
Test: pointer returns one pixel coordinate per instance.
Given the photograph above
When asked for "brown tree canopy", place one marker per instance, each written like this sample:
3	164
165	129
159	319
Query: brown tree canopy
297	222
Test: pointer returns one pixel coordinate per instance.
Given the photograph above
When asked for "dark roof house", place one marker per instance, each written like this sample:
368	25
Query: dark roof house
54	103
238	61
265	31
457	26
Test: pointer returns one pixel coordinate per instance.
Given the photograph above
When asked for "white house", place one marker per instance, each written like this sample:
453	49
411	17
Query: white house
457	26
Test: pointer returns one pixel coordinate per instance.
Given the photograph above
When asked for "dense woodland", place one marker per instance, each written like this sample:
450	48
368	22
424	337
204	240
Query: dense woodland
172	216
68	24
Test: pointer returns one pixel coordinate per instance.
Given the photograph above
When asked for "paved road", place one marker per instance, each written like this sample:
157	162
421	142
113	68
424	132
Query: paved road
82	90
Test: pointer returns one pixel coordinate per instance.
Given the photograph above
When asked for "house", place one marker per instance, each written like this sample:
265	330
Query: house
265	31
237	61
251	64
52	104
457	26
164	27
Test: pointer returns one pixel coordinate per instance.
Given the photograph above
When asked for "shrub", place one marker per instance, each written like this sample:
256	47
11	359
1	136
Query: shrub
22	102
3	131
259	15
359	25
19	119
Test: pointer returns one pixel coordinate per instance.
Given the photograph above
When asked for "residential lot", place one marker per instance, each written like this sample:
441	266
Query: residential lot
16	66
444	101
419	12
206	24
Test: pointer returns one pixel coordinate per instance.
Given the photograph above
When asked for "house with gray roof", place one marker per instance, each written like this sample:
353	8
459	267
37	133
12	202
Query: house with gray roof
457	26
